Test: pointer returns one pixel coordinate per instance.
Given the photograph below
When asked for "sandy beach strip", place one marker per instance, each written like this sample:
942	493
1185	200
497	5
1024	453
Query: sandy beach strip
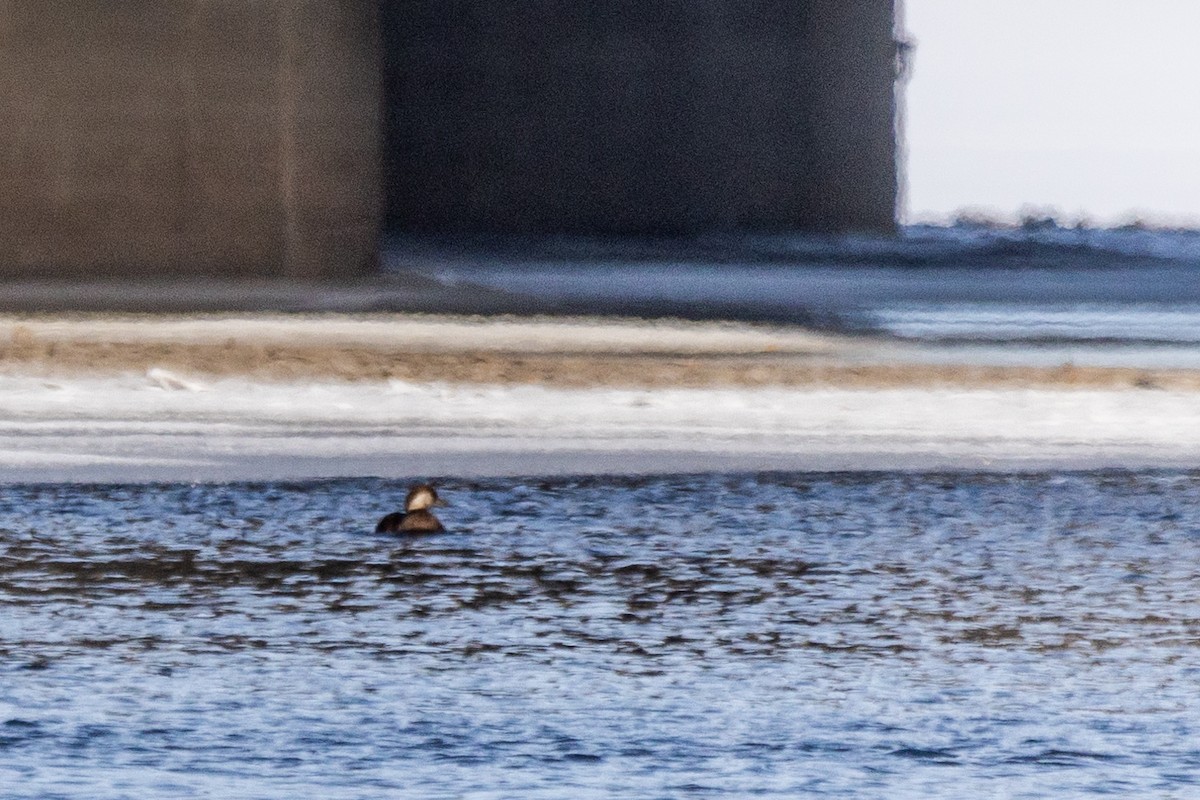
560	352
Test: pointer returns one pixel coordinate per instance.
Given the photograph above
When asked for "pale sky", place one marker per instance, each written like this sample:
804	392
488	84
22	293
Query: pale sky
1088	107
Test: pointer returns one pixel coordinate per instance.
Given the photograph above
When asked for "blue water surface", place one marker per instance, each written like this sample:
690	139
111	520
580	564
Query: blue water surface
1074	291
885	635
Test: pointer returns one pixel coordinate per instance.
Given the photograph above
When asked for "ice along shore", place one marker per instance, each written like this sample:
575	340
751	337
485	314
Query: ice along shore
262	397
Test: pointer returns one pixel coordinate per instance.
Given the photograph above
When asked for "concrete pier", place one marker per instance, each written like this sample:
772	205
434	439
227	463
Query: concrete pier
271	138
189	137
647	117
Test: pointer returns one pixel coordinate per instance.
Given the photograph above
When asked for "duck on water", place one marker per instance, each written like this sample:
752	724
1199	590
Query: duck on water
416	517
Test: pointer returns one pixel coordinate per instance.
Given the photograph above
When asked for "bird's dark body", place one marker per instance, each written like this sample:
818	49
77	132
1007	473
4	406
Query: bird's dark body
412	522
390	523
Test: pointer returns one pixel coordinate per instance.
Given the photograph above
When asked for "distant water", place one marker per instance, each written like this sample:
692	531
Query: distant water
792	635
1040	285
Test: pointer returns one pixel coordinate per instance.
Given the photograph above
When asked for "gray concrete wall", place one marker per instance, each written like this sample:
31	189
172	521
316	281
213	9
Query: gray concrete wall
640	116
199	137
242	137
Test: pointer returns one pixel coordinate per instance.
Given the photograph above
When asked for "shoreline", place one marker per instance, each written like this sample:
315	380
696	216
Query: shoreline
512	351
98	398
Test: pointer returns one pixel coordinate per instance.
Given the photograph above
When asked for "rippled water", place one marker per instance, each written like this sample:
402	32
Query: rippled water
875	635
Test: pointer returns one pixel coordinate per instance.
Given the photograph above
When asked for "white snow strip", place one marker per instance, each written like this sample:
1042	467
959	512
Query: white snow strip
131	428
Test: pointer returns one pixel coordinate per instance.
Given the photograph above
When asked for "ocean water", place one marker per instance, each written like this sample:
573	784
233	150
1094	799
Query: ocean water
870	635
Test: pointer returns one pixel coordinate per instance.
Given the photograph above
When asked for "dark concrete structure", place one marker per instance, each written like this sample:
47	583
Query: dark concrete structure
640	116
189	137
248	137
